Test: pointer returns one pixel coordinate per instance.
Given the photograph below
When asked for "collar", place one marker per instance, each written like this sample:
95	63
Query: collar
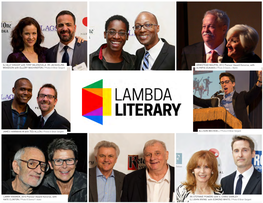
99	174
48	115
220	49
247	174
154	51
228	95
70	45
16	111
165	178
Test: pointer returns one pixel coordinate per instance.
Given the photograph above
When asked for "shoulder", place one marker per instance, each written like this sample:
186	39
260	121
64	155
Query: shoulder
133	175
15	57
218	191
118	173
81	45
182	193
193	47
140	51
45	190
169	46
52	48
229	177
31	112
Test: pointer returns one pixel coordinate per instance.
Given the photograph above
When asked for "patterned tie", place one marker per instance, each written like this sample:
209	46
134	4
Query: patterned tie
65	58
145	65
41	122
239	185
212	58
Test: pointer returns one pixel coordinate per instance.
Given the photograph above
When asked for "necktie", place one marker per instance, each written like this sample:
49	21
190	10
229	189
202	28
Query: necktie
239	185
212	58
145	65
65	57
41	122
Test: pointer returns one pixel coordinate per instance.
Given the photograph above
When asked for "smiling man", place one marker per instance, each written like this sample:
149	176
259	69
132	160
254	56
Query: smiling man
246	180
156	54
29	167
47	100
235	103
111	56
105	183
155	183
64	179
68	50
16	113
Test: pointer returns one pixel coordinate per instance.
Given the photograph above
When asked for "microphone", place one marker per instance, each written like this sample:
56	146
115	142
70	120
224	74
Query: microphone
217	93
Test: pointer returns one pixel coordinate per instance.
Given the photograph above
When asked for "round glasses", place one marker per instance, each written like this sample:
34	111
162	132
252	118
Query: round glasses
59	162
32	164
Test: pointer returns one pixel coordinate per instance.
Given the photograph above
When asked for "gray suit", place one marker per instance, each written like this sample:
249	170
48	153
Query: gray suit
79	55
93	194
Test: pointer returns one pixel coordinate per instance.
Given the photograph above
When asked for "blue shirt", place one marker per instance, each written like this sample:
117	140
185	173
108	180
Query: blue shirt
19	119
227	103
106	188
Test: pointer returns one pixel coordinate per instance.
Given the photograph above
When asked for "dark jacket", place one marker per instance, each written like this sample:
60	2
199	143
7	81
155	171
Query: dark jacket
250	58
78	191
98	62
7	120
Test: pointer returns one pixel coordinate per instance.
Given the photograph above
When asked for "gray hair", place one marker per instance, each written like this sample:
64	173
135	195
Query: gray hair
152	142
248	36
106	144
222	17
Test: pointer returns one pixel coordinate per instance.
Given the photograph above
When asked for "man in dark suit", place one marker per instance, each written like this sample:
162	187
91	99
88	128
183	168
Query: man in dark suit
246	180
50	119
156	54
68	50
235	103
16	113
105	183
139	186
213	48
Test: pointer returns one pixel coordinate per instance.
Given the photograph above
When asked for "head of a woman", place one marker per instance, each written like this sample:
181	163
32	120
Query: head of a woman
241	40
202	168
26	33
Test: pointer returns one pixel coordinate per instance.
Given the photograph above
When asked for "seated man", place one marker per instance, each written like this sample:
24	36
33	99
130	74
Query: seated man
111	56
29	166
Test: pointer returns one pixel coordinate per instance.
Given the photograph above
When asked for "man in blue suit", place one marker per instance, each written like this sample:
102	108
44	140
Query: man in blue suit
246	180
68	50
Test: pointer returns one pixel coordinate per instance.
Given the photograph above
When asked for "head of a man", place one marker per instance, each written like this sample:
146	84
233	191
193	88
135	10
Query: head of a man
214	27
243	152
63	158
22	91
29	165
155	156
47	98
66	27
106	154
116	32
227	81
146	29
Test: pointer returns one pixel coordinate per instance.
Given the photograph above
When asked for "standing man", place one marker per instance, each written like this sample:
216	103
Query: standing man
213	48
50	119
246	180
68	50
105	183
155	183
29	166
16	113
111	56
157	54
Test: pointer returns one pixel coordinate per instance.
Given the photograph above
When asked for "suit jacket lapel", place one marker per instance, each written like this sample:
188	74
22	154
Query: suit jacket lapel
142	186
9	113
93	184
234	101
49	122
252	182
55	51
161	57
118	186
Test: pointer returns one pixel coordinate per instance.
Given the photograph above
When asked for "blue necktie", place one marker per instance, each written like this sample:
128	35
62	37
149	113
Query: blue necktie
145	65
239	185
65	57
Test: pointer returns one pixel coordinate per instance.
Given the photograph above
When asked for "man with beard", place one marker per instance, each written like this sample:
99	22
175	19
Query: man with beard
213	48
68	50
29	167
16	113
50	119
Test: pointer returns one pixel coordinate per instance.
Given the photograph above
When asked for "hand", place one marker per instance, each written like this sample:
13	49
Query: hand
259	82
80	40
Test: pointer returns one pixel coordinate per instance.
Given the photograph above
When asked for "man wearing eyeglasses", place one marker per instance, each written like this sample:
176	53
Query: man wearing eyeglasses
235	103
50	119
111	56
29	166
64	179
157	54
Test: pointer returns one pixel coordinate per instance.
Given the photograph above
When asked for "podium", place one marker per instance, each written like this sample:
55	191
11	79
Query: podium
214	118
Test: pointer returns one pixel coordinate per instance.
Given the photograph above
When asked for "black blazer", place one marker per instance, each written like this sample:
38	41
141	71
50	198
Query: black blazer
164	61
135	186
55	121
7	120
195	53
240	102
253	186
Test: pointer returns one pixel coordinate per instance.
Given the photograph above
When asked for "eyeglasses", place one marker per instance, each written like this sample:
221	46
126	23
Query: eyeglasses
49	96
222	82
146	26
113	33
59	162
32	164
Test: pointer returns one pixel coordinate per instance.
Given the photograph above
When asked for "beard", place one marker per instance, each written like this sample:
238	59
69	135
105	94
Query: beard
66	38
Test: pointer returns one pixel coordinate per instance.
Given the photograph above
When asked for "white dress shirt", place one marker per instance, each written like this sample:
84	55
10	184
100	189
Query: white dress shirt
220	51
70	51
246	176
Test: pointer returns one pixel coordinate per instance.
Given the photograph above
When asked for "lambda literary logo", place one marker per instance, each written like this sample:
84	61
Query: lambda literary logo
96	102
